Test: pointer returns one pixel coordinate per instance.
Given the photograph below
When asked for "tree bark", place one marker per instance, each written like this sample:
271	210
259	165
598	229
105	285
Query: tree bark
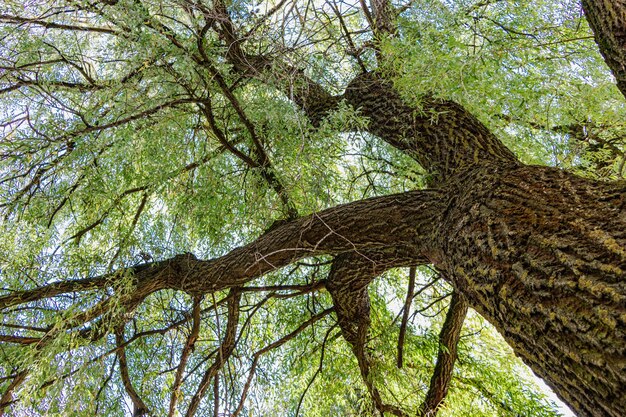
541	254
538	252
607	19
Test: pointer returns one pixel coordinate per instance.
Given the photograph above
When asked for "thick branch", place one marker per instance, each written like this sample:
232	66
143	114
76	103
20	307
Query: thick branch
607	19
404	221
441	135
400	221
347	283
382	18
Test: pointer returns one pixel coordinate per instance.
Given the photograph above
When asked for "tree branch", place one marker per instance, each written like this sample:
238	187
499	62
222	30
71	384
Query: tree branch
347	284
448	343
225	350
400	222
278	343
184	356
607	19
7	398
405	314
5	18
139	407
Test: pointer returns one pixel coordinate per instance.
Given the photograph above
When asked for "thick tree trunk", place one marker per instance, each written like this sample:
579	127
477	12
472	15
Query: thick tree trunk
542	255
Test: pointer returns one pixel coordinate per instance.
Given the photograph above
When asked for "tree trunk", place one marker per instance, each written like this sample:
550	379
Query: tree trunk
542	255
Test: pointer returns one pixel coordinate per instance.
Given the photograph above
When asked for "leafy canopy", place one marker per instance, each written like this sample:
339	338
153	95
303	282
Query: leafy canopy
120	146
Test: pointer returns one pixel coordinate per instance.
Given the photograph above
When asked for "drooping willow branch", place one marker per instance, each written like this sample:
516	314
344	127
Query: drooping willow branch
274	345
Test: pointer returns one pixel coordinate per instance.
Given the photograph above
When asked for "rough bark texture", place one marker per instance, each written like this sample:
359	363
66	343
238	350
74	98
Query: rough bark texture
377	224
542	255
442	136
607	19
537	251
347	284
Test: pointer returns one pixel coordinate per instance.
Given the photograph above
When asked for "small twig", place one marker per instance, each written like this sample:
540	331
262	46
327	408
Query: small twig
405	315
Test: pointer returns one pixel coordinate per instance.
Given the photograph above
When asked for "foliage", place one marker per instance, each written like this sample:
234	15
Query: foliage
111	156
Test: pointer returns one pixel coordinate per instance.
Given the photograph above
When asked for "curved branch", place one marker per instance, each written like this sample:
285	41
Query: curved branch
399	222
139	407
226	348
347	283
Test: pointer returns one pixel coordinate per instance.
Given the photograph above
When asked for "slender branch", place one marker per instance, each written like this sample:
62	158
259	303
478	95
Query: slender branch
139	407
278	343
5	18
216	396
405	314
225	350
262	159
344	28
448	343
317	372
184	356
51	290
8	397
20	340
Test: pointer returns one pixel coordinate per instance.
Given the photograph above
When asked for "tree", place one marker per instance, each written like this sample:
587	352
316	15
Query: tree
144	140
